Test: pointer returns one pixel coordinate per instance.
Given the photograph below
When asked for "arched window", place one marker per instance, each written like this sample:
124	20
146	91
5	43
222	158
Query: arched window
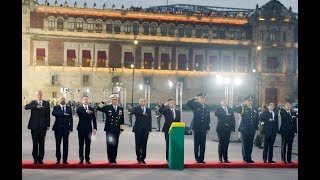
198	32
127	27
222	33
135	28
205	31
154	27
214	32
90	25
117	27
71	24
109	27
273	35
163	29
145	28
98	26
238	34
51	23
189	31
79	25
231	33
60	21
180	30
171	28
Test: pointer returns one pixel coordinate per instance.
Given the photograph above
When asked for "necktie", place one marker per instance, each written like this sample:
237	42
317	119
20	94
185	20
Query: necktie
40	104
226	110
115	108
64	109
86	108
272	114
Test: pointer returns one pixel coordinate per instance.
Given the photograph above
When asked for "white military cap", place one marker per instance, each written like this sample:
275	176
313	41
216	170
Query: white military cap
114	96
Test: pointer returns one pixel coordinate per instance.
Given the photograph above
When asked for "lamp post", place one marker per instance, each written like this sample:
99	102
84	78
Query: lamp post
132	66
179	91
256	74
229	84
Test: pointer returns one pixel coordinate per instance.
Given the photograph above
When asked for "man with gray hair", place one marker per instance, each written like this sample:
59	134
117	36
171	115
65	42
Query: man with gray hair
39	123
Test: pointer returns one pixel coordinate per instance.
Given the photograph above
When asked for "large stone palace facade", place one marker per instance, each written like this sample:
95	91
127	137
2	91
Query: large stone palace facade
97	52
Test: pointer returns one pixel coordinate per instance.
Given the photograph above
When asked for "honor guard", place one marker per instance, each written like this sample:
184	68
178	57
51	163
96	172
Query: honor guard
248	126
113	125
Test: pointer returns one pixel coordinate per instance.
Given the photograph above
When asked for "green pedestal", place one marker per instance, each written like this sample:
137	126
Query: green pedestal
176	145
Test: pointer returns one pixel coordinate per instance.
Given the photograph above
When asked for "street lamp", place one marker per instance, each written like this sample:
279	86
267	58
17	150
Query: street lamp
229	83
132	66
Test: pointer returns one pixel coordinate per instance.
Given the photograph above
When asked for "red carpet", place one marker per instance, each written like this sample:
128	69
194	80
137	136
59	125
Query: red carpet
154	164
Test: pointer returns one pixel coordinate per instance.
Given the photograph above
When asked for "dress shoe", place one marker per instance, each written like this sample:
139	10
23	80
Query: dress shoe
203	162
40	162
284	162
65	162
88	162
226	161
264	161
220	161
35	162
271	162
112	162
250	161
81	162
289	162
143	162
58	162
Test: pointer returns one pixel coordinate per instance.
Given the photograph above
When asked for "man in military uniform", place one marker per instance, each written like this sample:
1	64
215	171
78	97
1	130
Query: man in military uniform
113	126
248	126
158	114
200	125
130	109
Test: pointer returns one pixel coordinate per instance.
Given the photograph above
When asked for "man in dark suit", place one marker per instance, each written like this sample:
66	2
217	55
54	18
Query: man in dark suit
141	128
113	125
87	118
62	128
39	123
200	125
288	130
225	125
269	118
248	127
171	114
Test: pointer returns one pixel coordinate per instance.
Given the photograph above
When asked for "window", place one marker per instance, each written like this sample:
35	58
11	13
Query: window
54	94
163	29
128	59
214	63
189	31
272	36
198	32
86	58
231	33
145	28
199	64
115	79
40	54
71	24
165	60
241	64
147	59
171	30
284	38
222	33
117	27
60	23
102	57
273	64
51	23
214	33
98	26
79	25
261	35
135	28
54	80
147	81
181	79
127	27
71	57
180	31
205	32
90	25
109	27
85	80
154	27
182	62
238	34
226	63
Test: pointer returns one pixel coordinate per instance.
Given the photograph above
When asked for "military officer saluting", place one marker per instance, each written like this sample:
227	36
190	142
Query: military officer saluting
113	126
248	126
200	125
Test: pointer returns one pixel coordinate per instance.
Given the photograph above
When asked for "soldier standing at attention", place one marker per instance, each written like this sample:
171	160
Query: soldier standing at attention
200	125
248	126
113	126
158	114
